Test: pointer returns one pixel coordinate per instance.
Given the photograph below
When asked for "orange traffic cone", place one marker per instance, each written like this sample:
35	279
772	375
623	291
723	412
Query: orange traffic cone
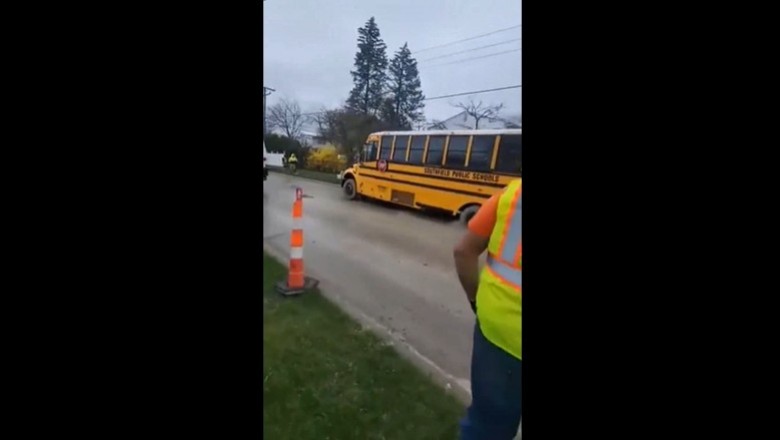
296	282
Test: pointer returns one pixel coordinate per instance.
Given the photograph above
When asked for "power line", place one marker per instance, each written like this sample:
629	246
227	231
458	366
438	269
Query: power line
467	39
474	93
470	50
475	58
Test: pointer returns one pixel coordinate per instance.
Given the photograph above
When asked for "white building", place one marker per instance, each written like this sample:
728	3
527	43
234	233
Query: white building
312	139
309	136
463	121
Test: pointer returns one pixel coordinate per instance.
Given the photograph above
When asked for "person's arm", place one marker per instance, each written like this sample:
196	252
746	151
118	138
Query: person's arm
466	255
473	243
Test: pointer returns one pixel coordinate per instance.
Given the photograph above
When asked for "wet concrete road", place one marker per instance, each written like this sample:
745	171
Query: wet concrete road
387	265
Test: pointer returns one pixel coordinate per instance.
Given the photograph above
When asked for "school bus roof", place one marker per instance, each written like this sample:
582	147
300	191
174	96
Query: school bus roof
508	131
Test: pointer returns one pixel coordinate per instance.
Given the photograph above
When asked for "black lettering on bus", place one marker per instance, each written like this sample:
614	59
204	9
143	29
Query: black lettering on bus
461	174
437	172
485	177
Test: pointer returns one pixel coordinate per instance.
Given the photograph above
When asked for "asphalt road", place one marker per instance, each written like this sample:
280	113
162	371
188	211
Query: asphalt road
389	267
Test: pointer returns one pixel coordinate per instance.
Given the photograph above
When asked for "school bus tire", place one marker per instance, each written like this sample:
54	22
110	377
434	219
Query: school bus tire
350	189
467	213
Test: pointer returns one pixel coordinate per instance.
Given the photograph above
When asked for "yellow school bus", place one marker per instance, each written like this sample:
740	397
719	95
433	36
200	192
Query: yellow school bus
454	171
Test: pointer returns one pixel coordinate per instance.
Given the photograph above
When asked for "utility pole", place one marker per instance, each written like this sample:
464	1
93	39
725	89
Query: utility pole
266	91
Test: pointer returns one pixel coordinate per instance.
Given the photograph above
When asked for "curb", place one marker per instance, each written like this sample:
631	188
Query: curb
449	383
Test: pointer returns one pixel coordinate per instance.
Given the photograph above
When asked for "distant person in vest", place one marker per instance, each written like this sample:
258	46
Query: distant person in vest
496	298
292	162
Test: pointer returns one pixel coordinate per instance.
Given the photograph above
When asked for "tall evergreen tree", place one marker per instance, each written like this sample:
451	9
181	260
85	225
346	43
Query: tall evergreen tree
390	118
406	94
370	75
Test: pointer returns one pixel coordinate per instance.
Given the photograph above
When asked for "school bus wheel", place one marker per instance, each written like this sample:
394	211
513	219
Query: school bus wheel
350	190
467	213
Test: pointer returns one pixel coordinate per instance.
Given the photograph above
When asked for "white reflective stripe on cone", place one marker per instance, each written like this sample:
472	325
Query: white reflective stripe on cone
297	223
296	252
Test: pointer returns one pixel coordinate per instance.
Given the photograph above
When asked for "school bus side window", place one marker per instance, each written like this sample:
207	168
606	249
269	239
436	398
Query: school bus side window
416	150
456	152
510	158
387	144
399	154
435	150
481	153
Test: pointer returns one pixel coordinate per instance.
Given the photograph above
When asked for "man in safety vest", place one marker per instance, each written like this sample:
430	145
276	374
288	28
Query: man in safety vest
293	162
496	298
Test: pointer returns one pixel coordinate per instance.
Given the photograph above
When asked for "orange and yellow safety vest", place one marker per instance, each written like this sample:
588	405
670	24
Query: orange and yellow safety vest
499	297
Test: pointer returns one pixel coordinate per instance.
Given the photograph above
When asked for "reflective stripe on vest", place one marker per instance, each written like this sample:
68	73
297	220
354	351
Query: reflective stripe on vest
499	297
510	275
512	240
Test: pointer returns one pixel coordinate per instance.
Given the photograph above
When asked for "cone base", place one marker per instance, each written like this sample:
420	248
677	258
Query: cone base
284	289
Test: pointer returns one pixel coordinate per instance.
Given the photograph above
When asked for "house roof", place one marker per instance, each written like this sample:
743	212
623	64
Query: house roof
306	131
463	120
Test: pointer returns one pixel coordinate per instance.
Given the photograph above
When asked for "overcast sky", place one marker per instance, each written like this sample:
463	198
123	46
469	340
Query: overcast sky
310	45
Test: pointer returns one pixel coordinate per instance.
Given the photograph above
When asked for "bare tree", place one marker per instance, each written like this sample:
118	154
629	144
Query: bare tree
324	119
478	111
286	115
347	128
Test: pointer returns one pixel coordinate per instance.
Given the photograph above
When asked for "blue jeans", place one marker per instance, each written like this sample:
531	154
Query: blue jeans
496	393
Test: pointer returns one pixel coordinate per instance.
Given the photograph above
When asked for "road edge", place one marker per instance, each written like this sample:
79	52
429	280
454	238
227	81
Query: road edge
278	170
448	382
